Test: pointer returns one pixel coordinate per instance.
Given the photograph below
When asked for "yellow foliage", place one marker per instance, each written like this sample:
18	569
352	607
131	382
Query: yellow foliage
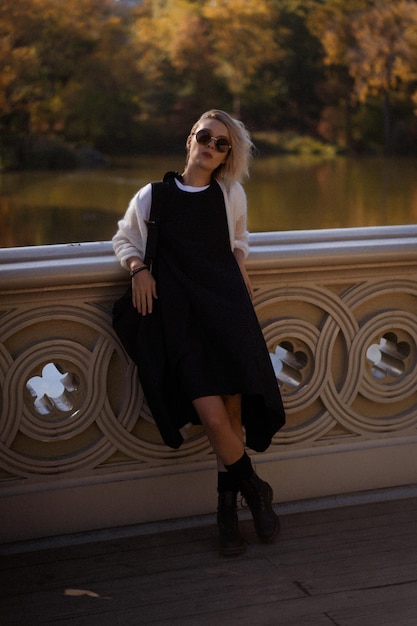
376	41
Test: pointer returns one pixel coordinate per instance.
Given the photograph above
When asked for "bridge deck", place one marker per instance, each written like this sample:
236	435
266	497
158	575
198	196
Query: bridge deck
349	566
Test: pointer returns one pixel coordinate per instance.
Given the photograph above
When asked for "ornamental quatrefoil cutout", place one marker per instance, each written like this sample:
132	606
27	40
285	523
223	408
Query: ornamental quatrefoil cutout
388	356
51	390
288	364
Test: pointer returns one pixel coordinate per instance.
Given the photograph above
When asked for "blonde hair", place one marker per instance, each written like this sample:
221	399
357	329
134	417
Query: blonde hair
236	166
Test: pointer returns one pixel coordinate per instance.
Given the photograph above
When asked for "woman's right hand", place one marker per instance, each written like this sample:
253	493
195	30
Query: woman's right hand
143	292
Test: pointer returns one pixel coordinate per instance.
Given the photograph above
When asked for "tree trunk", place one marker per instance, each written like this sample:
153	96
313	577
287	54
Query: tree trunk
386	114
236	105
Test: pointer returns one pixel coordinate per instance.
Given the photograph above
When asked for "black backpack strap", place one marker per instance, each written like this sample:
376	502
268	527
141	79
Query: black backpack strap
158	195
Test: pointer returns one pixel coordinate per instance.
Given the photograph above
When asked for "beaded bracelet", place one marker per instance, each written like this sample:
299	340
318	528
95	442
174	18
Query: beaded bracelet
137	270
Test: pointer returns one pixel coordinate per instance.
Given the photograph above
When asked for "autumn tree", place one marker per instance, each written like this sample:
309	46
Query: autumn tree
175	60
298	67
20	80
385	57
376	41
100	101
58	59
242	38
212	49
116	73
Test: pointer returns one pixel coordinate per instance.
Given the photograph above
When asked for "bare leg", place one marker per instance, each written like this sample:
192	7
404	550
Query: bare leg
233	406
224	430
226	443
221	418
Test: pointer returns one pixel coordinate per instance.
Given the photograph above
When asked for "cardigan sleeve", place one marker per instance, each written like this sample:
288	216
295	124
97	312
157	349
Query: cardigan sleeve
237	216
130	239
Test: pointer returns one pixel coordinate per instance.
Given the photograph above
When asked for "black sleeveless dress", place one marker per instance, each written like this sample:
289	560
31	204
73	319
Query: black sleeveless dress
210	341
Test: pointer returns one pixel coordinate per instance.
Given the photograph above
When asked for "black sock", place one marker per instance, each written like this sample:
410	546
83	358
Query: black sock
242	469
226	482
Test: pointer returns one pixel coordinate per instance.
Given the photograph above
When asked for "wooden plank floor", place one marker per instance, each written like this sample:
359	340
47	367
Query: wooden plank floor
350	566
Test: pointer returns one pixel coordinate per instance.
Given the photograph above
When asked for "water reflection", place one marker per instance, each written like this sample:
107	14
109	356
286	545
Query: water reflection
284	193
297	193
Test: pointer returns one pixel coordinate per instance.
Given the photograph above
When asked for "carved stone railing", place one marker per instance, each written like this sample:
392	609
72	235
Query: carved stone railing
78	449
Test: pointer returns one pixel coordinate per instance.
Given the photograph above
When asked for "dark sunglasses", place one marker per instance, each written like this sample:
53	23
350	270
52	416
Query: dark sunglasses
204	137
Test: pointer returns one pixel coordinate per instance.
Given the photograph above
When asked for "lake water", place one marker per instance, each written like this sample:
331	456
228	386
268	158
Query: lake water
284	193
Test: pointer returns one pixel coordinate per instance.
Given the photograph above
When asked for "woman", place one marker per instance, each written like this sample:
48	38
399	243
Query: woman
215	368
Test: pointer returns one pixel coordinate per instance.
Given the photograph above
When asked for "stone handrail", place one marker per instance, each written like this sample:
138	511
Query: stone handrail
338	309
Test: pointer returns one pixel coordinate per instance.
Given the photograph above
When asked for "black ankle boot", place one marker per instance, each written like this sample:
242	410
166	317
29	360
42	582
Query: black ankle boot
230	540
258	495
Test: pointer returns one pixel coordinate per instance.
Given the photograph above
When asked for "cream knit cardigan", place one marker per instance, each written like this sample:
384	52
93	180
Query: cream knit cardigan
130	239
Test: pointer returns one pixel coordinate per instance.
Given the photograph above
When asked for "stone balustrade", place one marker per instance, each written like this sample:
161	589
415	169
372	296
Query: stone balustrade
78	447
